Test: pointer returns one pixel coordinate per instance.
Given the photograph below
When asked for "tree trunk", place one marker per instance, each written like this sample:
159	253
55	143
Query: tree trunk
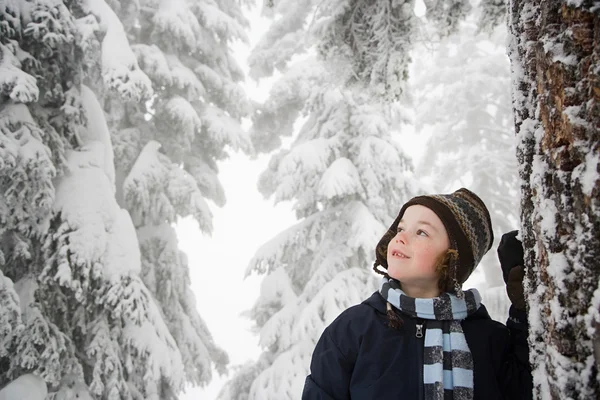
554	51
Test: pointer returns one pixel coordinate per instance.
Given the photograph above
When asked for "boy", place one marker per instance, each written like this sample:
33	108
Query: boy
420	336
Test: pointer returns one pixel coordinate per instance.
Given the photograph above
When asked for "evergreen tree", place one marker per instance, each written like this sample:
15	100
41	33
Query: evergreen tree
347	179
554	52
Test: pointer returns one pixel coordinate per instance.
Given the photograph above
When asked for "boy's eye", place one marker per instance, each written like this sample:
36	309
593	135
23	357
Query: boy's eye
399	229
421	232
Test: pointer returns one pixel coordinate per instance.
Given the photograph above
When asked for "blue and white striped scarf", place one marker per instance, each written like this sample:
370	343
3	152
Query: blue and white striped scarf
447	361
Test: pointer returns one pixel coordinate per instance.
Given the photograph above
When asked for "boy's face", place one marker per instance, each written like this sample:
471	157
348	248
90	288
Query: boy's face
412	254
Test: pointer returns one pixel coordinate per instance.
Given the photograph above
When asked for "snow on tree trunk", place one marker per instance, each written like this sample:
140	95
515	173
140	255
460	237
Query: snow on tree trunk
554	50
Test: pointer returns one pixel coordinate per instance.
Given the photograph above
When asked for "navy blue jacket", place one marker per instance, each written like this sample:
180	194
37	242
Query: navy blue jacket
360	357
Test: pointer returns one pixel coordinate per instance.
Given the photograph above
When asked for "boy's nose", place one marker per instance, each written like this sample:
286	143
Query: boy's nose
401	237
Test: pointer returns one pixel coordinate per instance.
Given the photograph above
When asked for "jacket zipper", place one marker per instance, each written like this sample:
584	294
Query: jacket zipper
419	333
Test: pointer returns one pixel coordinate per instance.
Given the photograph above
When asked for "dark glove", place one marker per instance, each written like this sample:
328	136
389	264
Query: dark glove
510	254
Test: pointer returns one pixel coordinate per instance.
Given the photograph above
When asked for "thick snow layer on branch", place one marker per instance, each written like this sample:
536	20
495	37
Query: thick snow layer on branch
10	313
219	22
340	179
120	69
14	83
185	79
154	338
25	387
224	130
365	229
286	245
153	62
175	20
97	130
157	190
101	231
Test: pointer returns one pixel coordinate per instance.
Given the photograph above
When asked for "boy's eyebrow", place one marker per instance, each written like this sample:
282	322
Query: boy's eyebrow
422	223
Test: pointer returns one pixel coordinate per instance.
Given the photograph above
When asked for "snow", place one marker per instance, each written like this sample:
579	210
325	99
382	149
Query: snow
152	338
224	130
221	23
97	130
306	158
24	144
185	120
288	244
365	229
340	179
100	231
26	288
145	175
156	190
25	387
184	78
178	25
122	251
120	69
84	201
10	313
587	173
18	85
153	62
572	112
72	388
285	37
575	3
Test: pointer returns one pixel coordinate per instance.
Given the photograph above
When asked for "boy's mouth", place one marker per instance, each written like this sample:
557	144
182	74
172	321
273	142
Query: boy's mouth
399	254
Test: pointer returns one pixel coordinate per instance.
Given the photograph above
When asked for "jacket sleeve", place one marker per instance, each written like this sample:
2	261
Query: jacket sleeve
330	371
516	370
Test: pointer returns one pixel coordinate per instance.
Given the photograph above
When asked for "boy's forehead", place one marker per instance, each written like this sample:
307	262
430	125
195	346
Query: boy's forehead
421	215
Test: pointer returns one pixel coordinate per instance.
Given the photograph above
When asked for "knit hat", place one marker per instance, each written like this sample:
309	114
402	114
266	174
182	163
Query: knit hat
467	221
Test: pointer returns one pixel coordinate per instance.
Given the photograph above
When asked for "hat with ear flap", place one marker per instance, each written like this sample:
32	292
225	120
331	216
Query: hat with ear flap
467	221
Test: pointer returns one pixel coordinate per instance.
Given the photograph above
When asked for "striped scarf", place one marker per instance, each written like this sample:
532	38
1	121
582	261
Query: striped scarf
447	362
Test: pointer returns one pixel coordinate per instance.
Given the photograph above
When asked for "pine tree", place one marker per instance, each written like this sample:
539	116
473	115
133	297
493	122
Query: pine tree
554	52
465	105
346	177
167	149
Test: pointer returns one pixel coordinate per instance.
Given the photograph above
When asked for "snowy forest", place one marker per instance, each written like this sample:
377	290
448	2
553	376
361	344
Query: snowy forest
118	118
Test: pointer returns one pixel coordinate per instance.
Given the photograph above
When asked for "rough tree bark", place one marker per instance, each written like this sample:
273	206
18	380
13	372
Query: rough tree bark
554	53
